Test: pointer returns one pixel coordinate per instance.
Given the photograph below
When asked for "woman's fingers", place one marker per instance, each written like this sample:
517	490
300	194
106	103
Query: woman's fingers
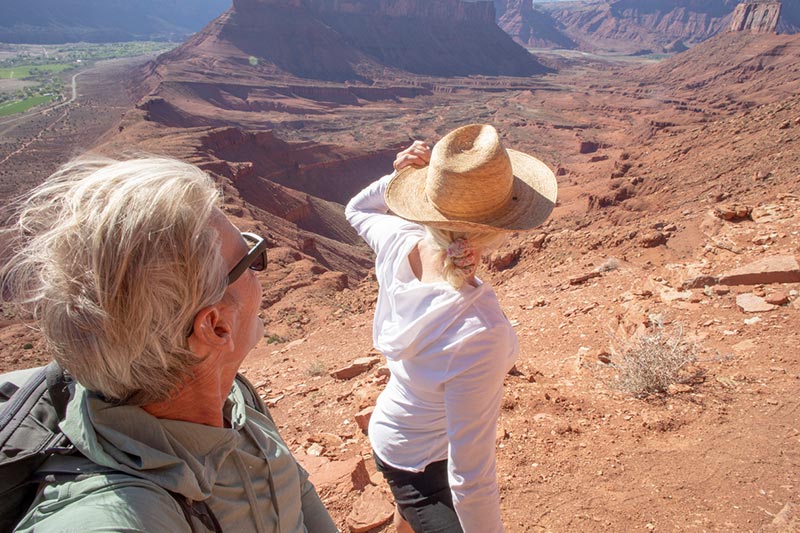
417	155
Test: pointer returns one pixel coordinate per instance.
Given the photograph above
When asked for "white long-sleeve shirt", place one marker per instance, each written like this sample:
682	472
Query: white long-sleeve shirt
448	351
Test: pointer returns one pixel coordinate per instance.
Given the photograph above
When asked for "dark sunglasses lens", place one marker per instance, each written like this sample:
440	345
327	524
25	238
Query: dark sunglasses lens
260	262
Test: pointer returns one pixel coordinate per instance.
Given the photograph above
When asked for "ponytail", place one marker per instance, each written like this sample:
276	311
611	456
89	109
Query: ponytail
461	252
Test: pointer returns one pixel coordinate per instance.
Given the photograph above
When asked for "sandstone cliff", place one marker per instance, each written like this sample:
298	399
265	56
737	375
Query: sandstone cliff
636	26
440	9
530	26
757	17
642	25
342	40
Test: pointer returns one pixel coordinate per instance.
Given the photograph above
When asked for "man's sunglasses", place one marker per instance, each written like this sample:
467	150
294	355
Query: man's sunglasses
256	258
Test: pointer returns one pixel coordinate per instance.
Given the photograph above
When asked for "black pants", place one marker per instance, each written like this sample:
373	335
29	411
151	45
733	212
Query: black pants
424	498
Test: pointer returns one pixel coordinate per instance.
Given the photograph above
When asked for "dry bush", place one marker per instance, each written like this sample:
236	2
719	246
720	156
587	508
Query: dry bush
649	363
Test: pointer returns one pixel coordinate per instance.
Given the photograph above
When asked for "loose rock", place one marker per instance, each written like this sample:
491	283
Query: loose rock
357	367
371	510
750	303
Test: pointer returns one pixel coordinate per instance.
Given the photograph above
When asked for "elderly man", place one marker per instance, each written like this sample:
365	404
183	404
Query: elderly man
146	295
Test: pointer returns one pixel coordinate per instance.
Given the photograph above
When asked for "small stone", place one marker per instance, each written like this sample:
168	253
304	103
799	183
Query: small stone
363	417
733	212
777	298
504	259
315	450
357	367
761	175
721	290
583	278
750	303
651	239
677	388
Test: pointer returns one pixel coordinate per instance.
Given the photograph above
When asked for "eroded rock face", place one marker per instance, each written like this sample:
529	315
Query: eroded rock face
639	26
345	40
757	17
440	9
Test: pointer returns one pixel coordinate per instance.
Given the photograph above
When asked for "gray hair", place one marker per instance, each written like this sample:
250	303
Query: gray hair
113	259
481	242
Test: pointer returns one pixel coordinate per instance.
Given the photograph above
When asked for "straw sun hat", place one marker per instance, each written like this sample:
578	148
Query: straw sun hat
473	183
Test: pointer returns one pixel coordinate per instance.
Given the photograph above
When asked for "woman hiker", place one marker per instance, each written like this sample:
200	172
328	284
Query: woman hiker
446	340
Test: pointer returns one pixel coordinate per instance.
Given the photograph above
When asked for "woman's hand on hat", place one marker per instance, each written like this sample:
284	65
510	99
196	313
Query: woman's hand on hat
417	155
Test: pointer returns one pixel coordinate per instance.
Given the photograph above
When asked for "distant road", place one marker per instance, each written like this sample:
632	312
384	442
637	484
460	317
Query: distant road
27	116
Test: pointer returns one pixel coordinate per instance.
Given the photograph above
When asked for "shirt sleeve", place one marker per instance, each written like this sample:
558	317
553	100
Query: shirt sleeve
369	215
128	505
472	404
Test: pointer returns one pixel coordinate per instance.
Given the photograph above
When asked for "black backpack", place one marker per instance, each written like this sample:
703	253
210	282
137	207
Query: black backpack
29	435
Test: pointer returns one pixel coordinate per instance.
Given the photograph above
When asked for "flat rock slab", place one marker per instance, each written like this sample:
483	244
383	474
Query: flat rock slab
750	303
356	368
776	269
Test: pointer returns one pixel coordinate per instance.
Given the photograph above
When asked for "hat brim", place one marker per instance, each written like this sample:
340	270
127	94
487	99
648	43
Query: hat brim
532	199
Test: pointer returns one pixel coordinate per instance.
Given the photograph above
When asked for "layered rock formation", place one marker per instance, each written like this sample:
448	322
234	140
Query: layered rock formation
636	26
757	17
349	40
642	25
530	26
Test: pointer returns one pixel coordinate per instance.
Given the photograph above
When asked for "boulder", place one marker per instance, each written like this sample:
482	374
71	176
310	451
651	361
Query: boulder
699	282
651	239
504	259
335	478
733	211
372	509
775	269
363	416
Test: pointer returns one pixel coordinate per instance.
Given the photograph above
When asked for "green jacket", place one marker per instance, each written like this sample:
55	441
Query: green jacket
245	473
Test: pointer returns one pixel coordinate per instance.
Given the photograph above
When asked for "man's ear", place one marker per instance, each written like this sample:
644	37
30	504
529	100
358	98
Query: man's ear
211	328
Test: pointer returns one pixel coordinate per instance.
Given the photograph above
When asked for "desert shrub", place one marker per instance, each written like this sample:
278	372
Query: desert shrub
316	368
609	265
649	363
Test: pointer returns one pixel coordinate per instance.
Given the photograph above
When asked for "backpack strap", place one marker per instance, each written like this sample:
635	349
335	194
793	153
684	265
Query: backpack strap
58	386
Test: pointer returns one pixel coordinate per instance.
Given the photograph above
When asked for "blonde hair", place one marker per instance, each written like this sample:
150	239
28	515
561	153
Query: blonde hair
113	259
459	267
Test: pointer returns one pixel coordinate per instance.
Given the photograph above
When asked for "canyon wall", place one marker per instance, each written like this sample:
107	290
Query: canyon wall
757	17
457	10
